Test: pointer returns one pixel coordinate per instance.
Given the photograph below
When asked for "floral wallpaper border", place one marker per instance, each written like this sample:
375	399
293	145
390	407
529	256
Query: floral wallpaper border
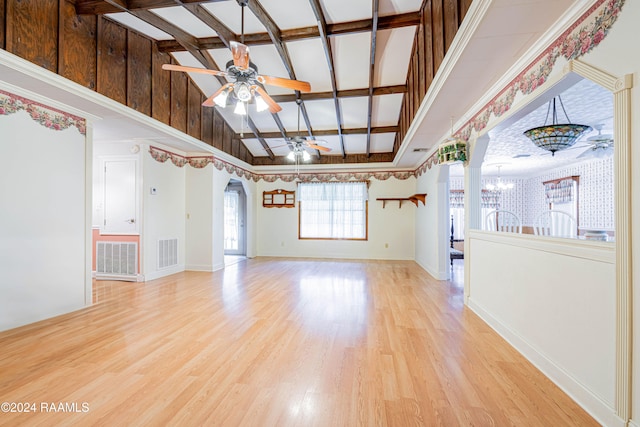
199	162
580	38
46	116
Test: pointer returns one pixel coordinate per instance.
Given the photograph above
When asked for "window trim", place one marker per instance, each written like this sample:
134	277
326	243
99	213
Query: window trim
357	239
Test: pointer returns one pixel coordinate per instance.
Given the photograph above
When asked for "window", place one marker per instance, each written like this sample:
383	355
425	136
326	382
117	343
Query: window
333	210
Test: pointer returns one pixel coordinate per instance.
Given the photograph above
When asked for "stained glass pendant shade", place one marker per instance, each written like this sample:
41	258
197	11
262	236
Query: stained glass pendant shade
556	136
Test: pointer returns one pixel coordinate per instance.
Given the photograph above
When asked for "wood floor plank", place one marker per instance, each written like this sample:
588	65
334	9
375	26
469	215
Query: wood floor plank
278	342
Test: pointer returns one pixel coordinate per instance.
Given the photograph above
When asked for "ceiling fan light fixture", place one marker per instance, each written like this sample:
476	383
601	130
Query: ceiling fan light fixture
291	156
306	156
240	109
261	105
556	136
243	92
221	99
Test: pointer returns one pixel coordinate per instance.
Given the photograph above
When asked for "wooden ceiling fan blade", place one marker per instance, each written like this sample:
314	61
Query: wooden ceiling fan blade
172	67
286	83
273	105
318	147
210	100
240	53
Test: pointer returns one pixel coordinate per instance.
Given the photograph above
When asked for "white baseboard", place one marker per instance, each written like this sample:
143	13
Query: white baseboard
434	274
634	423
197	267
596	407
164	272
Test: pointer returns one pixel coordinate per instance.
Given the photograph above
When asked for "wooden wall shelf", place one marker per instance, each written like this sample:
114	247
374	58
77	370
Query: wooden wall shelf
279	199
413	199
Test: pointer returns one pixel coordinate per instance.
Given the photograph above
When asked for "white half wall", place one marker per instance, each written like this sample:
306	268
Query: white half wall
44	221
555	301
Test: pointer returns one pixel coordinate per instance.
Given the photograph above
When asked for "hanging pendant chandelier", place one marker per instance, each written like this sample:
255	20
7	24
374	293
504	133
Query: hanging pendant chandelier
556	136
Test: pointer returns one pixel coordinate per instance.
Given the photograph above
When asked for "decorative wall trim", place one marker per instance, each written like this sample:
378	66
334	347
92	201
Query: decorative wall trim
199	162
48	117
580	38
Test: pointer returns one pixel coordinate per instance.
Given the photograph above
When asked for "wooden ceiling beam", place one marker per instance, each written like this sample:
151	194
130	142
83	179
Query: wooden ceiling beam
326	43
384	23
331	132
276	38
101	7
372	62
349	93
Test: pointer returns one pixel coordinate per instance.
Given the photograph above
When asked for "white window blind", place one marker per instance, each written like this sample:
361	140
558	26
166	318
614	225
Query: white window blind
333	210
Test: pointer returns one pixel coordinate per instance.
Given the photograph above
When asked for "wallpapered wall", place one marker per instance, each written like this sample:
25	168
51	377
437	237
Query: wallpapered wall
595	193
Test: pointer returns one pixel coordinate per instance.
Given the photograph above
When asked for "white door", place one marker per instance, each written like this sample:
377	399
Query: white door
120	198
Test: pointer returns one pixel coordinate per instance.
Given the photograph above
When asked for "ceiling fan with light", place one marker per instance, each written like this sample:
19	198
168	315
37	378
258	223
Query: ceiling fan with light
601	145
299	144
244	82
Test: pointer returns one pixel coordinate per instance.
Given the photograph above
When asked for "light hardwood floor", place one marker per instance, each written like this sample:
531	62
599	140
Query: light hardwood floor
278	342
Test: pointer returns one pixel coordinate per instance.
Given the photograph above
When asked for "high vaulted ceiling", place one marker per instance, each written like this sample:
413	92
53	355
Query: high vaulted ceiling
355	54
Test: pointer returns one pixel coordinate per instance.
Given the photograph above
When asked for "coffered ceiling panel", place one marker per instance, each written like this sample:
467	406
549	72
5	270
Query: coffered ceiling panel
139	25
393	53
351	55
382	142
229	13
396	7
310	63
322	114
354	112
182	18
290	14
345	11
386	109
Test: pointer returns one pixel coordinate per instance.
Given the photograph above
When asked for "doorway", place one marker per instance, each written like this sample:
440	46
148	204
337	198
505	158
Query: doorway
235	208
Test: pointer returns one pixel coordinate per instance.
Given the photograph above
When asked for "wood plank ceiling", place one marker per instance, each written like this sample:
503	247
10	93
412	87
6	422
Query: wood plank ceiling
369	62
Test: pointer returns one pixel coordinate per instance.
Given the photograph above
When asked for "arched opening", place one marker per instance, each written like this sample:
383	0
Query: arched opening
235	219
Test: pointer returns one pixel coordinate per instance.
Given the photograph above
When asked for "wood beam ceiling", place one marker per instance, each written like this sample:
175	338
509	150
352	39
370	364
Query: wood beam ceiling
198	47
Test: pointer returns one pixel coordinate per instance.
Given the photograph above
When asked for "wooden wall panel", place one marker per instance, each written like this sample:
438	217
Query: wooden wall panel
3	17
112	60
420	54
139	72
218	129
428	44
207	125
438	33
32	31
194	110
451	22
464	8
160	86
179	88
77	59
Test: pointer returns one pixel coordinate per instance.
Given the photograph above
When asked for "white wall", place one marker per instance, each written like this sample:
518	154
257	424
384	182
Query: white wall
163	214
431	223
44	221
199	218
391	230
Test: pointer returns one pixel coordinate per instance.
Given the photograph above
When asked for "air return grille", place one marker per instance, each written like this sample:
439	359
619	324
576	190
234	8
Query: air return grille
117	260
167	253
